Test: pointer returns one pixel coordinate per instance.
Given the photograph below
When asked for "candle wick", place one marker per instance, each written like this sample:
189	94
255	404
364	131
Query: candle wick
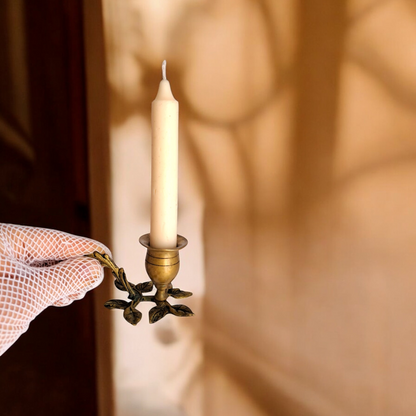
164	70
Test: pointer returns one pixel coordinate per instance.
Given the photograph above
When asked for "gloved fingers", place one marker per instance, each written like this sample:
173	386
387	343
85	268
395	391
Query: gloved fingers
72	279
69	299
26	291
40	246
20	300
19	289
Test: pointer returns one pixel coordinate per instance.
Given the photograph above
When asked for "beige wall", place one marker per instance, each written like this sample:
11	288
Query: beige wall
298	191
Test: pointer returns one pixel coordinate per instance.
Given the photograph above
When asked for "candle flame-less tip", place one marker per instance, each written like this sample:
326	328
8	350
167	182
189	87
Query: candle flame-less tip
164	70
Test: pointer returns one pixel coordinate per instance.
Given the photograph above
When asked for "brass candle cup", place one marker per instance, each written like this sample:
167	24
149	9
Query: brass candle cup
162	265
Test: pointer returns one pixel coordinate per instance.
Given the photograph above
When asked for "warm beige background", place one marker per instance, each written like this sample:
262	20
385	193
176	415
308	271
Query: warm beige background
298	196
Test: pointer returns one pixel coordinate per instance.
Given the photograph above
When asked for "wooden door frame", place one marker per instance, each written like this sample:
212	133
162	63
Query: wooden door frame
99	187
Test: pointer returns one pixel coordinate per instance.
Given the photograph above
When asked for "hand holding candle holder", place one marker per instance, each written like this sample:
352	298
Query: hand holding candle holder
162	266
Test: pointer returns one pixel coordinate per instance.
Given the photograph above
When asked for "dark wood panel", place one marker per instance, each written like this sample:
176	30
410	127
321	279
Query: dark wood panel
51	369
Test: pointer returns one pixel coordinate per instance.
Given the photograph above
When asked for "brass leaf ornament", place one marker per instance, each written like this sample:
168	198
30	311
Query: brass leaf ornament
162	266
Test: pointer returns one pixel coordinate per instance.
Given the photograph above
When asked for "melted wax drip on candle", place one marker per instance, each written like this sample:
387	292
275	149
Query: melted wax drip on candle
164	70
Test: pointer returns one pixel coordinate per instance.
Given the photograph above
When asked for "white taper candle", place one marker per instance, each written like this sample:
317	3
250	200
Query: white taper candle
165	128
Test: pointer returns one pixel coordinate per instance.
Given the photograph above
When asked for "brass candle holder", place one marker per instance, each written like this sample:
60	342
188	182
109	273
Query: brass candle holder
162	266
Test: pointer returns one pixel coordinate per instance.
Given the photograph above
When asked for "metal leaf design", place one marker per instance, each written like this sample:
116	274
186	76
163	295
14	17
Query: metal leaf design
104	260
135	294
179	294
136	300
157	313
119	286
116	304
132	315
181	310
144	287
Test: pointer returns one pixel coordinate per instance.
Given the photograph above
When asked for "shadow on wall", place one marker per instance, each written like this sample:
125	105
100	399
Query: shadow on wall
296	151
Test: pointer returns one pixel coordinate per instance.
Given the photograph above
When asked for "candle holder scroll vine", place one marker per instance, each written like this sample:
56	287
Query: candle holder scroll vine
162	266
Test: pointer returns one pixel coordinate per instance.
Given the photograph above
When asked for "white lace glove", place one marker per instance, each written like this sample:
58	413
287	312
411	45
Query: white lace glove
40	268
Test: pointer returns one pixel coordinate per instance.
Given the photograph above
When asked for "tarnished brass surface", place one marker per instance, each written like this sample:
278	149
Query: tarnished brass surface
162	266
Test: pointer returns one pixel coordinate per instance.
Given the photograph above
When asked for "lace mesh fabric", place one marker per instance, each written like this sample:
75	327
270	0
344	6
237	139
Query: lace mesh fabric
40	268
